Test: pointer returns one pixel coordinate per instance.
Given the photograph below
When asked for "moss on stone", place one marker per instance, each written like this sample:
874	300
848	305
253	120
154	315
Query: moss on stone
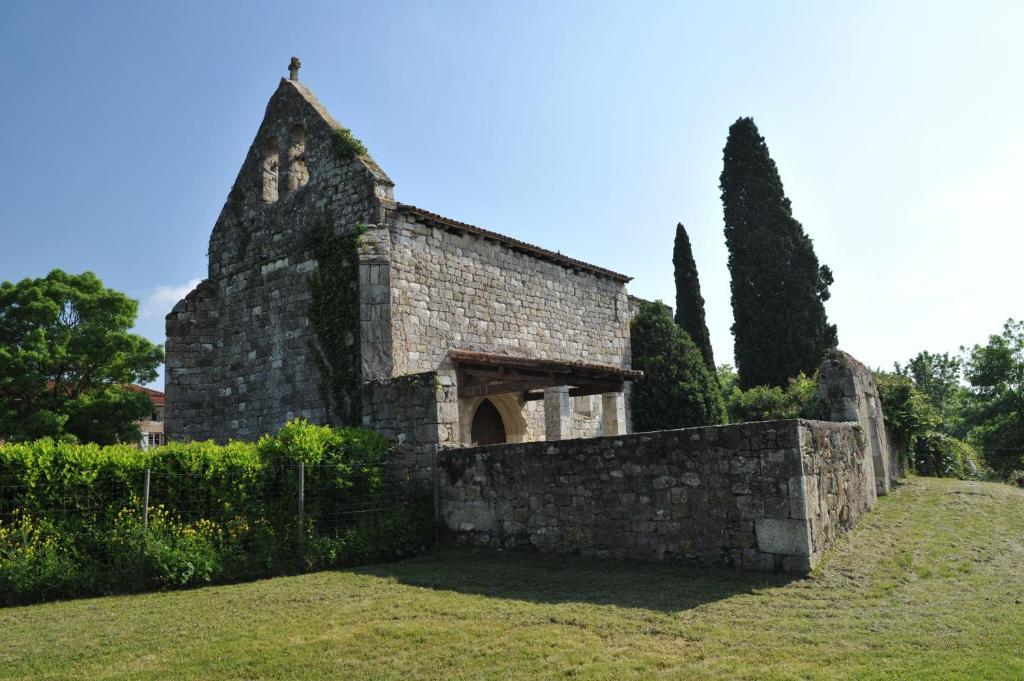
346	145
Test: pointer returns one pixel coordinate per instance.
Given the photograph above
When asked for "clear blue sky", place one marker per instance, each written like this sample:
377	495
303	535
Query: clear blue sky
589	128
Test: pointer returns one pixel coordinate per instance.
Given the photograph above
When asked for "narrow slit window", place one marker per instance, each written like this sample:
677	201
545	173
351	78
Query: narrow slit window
298	175
270	163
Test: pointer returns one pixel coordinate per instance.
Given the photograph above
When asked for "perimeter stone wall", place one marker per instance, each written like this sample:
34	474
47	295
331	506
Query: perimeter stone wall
768	496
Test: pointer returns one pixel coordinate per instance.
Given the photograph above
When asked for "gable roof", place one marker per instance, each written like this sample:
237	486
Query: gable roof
311	99
441	222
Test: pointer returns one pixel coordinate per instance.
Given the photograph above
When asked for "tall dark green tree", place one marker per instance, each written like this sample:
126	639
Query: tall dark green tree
778	287
689	302
677	390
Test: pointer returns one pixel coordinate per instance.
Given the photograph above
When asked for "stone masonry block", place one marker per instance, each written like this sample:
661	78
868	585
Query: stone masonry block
786	537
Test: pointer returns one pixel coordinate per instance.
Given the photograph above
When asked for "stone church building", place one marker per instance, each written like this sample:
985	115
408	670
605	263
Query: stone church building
327	299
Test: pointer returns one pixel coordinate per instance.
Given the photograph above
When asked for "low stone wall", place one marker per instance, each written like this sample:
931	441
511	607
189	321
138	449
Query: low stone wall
839	479
769	496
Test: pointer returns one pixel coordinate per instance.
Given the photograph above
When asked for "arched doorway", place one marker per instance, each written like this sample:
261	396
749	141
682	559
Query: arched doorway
488	427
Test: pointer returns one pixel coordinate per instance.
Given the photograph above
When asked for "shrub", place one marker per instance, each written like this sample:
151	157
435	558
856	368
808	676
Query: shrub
217	512
167	552
908	413
36	562
396	533
943	456
767	403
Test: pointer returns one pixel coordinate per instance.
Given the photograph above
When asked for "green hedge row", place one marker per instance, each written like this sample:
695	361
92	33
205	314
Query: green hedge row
72	521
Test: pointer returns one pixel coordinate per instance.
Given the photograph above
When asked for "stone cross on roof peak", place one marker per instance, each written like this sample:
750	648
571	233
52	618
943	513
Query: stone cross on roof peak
293	68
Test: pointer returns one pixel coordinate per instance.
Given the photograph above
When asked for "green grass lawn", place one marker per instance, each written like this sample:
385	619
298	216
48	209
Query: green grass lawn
929	585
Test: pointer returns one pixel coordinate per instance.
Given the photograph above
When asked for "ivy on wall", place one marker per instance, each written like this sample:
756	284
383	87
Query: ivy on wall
334	316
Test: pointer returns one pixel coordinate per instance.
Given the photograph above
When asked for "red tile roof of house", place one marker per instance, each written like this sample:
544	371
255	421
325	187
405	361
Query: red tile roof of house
155	396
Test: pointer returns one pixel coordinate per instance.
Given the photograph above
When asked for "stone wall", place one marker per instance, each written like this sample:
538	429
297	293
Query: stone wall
769	496
838	482
238	347
452	289
418	412
848	390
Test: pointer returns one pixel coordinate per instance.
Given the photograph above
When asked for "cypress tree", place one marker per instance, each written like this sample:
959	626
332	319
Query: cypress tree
778	288
689	302
677	390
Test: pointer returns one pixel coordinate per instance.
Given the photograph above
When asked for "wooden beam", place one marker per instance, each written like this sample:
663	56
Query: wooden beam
498	387
596	389
490	372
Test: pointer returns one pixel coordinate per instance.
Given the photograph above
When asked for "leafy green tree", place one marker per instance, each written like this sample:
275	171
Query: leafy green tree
778	287
727	379
689	301
65	356
995	372
937	377
677	390
909	413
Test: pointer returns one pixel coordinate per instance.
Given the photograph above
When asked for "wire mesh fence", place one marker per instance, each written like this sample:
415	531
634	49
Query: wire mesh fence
130	530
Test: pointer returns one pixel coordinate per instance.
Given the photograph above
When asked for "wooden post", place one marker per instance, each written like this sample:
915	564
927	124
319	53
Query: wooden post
145	501
302	509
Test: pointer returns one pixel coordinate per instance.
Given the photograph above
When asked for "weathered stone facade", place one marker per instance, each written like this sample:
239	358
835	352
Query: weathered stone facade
238	358
463	289
240	347
770	495
417	411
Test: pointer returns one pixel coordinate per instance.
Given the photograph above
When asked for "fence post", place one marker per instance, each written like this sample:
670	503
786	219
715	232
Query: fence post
145	502
436	482
302	509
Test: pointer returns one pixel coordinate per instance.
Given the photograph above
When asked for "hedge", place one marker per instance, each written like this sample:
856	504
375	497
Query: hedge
72	521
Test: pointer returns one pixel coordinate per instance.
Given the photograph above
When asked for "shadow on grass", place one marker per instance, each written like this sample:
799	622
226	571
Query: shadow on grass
545	578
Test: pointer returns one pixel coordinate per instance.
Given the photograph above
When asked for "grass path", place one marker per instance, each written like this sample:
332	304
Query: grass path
930	585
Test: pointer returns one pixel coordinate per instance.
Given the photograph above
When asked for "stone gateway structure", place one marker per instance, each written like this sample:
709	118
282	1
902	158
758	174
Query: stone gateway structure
327	299
501	367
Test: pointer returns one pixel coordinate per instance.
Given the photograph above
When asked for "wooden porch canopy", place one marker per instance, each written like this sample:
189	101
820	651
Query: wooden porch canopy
485	373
